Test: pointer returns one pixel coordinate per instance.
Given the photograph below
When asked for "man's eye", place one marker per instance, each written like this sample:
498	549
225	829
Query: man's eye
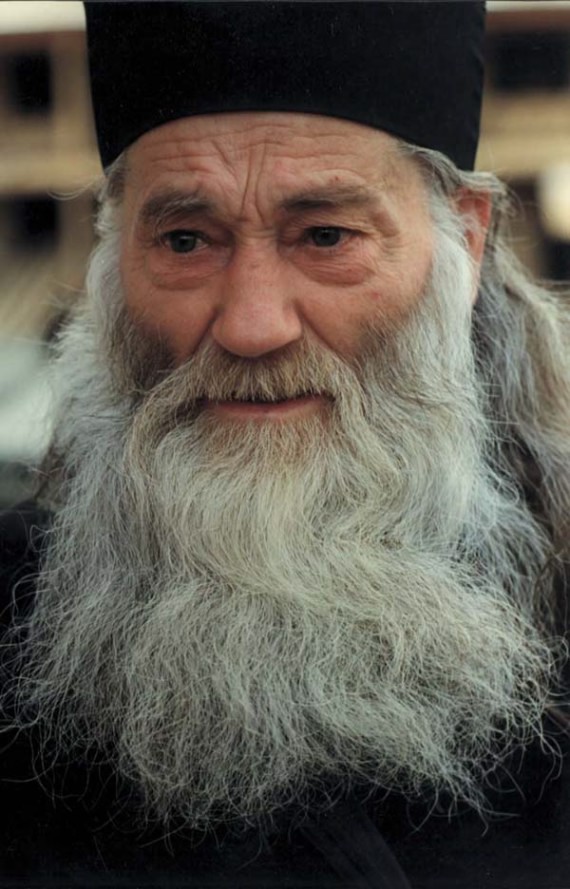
326	236
181	241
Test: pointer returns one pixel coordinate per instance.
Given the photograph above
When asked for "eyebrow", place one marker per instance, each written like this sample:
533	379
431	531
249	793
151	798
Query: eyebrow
171	204
332	196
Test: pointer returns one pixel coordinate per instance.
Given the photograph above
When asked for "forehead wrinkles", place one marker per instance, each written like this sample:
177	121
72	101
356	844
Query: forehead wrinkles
240	155
250	168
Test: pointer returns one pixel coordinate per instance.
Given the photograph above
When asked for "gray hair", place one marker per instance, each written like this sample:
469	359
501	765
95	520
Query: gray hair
231	630
521	335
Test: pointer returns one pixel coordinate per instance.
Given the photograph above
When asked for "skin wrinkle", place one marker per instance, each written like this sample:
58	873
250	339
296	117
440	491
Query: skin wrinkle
254	185
170	205
183	145
262	290
386	179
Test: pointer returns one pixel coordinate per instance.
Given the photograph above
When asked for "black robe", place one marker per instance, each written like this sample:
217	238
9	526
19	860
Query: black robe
74	828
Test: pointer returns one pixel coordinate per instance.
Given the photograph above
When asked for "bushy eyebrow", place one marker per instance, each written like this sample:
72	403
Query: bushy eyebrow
372	201
169	205
332	196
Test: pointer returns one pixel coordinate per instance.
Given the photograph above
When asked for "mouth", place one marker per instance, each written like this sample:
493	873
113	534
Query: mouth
266	408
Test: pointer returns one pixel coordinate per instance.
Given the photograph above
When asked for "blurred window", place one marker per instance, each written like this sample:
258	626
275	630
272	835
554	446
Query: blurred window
28	82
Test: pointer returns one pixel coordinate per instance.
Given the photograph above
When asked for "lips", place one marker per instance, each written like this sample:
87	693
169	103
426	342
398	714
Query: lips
266	408
261	399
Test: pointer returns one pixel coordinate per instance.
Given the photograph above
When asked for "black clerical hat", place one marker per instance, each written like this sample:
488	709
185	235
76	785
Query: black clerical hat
413	68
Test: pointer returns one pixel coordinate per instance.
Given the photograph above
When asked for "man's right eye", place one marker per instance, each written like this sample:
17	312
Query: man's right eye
181	241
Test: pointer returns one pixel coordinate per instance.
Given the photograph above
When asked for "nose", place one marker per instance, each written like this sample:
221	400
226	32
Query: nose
256	313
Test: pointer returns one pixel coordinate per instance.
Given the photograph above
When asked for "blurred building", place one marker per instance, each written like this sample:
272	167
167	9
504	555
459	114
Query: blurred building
48	163
526	125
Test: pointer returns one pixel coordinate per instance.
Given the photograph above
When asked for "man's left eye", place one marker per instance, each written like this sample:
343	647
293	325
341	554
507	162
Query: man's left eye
181	241
326	236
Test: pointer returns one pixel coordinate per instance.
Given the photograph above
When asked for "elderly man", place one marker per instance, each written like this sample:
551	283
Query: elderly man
291	600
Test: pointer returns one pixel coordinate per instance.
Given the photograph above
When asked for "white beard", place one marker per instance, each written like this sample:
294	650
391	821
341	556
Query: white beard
237	612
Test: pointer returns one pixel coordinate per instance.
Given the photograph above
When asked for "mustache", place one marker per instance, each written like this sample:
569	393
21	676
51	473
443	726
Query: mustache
217	376
144	368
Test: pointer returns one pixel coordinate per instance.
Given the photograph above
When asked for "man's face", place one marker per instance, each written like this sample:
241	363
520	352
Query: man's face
253	231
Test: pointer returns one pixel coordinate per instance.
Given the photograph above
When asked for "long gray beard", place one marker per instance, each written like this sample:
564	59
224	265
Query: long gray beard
237	611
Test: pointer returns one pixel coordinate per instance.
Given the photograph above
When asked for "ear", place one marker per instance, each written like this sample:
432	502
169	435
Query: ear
476	208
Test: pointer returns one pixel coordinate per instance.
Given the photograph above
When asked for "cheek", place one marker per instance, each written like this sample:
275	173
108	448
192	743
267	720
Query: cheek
179	321
385	302
401	285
